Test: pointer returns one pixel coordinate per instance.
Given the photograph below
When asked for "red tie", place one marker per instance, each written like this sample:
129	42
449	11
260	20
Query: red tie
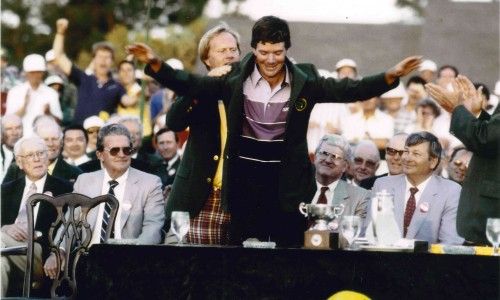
322	196
410	208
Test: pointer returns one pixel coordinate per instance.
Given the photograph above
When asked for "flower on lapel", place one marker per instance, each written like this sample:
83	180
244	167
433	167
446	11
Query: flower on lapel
424	207
126	206
171	172
301	104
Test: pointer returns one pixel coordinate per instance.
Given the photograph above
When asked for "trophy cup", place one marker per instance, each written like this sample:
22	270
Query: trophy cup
323	233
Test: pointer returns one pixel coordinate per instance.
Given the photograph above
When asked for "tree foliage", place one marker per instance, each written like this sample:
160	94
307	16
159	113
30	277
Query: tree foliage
90	21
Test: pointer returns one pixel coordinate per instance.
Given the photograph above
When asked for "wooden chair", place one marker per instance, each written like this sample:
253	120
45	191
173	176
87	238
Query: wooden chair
70	229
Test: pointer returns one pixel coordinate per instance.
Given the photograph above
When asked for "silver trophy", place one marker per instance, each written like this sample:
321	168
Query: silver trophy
325	216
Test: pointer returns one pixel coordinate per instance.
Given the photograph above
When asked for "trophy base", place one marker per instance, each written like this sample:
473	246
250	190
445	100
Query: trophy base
321	239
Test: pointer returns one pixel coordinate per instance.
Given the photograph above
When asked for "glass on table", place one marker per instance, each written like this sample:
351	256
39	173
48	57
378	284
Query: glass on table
179	224
493	233
350	228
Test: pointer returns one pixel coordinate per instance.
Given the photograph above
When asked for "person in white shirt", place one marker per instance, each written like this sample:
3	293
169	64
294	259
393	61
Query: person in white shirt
331	159
33	98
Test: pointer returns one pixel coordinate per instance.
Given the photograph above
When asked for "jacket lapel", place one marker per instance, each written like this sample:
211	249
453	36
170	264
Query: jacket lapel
340	195
130	194
431	190
399	200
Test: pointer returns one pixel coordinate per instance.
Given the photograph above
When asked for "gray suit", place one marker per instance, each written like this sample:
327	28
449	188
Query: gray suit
142	215
355	199
438	224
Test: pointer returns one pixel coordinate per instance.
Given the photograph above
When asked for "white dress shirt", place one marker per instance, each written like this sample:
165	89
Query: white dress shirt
119	191
5	160
39	98
40	183
420	187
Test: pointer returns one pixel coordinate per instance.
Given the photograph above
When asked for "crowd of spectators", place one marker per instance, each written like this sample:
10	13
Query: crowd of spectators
66	107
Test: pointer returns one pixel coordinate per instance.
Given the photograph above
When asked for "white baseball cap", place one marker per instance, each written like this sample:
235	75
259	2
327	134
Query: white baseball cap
428	65
346	62
34	63
52	79
93	121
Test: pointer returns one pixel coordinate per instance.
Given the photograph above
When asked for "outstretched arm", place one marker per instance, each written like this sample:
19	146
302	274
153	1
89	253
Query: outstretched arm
58	46
403	68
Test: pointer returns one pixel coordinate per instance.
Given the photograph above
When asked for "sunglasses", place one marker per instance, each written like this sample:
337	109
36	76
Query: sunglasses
369	163
391	151
115	150
333	156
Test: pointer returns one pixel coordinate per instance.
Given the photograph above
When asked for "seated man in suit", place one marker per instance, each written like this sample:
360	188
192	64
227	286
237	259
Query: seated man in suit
140	214
166	142
12	131
425	205
393	156
332	154
31	156
51	133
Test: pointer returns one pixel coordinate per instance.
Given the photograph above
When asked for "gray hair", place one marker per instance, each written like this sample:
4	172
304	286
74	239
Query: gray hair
132	119
370	145
19	144
336	141
111	129
204	45
11	117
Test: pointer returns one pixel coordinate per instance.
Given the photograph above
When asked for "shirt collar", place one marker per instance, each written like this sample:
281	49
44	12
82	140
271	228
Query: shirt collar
40	183
255	77
121	180
331	186
420	187
172	160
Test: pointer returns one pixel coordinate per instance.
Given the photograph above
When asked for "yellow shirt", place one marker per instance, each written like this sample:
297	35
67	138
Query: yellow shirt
223	136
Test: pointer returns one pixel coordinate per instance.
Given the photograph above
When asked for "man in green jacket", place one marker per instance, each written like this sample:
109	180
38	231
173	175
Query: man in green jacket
268	100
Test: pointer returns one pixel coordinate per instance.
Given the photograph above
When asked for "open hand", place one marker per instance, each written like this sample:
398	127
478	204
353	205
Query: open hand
18	233
51	268
446	98
403	68
141	52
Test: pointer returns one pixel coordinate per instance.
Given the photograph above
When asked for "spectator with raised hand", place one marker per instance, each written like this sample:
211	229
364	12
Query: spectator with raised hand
98	93
480	133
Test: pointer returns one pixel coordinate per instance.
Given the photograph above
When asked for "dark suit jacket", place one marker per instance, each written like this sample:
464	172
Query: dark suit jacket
296	182
12	193
167	176
62	170
368	182
480	197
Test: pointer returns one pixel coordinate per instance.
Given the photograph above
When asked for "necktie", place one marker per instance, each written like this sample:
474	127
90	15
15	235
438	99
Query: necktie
322	196
22	216
107	210
410	209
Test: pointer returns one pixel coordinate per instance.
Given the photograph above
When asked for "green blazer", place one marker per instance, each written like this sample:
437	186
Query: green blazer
480	197
193	181
296	182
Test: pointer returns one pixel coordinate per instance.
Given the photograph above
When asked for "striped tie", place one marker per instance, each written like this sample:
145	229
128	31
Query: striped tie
107	211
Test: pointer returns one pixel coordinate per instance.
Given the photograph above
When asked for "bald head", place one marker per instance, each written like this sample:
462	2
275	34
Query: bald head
366	160
12	130
51	134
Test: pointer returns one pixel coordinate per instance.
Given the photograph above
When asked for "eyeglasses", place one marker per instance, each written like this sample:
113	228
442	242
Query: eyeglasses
34	155
333	156
458	163
391	151
115	150
368	163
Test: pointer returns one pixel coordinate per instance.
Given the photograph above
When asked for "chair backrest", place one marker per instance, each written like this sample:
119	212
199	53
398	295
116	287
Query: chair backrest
70	229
